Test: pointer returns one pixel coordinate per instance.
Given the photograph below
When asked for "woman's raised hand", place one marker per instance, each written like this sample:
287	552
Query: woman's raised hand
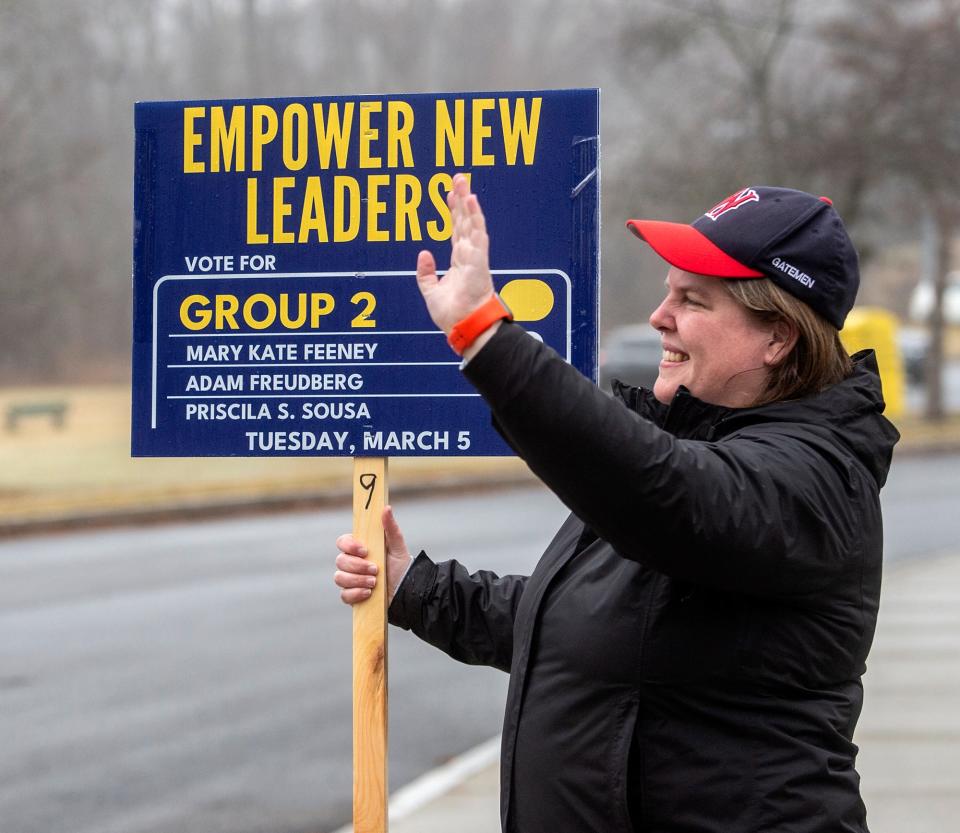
356	576
467	283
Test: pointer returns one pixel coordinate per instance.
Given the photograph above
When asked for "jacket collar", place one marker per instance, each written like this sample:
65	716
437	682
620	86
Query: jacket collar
685	417
851	411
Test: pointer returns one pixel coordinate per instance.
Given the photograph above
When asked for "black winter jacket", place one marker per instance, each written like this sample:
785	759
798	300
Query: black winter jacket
686	657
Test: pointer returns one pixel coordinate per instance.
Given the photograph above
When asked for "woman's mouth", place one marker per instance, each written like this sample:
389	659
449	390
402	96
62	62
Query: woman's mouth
672	356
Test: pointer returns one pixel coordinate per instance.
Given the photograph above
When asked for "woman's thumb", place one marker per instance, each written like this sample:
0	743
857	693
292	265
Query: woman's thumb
391	531
426	272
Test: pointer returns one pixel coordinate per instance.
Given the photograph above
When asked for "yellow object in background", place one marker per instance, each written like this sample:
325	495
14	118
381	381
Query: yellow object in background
529	299
877	328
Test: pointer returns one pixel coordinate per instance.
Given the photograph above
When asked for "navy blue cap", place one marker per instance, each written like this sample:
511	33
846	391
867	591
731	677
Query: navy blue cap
794	238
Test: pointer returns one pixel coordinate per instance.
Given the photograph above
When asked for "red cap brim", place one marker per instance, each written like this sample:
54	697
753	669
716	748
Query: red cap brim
686	248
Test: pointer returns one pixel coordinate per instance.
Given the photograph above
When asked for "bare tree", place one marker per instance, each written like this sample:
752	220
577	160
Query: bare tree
903	63
700	97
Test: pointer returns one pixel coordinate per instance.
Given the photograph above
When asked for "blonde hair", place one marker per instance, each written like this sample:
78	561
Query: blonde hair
818	359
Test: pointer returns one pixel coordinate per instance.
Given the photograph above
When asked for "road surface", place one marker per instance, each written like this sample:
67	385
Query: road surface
197	677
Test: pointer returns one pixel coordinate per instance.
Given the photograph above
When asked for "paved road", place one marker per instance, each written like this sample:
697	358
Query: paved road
197	677
920	506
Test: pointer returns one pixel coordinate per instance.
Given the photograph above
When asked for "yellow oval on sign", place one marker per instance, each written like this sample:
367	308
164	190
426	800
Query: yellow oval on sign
529	299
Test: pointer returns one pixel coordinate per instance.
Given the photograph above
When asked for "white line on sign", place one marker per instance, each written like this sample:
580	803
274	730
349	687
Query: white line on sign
287	333
324	396
326	364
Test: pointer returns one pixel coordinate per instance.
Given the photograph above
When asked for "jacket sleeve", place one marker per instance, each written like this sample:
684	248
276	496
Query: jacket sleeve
468	616
760	512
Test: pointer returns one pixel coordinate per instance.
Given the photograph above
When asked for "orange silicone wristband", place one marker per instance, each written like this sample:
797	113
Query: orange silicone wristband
468	330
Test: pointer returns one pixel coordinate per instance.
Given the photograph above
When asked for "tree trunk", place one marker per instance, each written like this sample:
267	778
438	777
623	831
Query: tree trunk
943	217
251	37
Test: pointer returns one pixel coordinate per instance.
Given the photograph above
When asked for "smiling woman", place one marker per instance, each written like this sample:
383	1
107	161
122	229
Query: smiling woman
712	345
743	342
687	654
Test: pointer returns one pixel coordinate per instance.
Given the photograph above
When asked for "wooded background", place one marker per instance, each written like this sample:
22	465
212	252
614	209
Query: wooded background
855	99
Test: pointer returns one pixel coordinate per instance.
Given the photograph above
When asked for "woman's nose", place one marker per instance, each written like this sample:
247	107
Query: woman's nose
659	319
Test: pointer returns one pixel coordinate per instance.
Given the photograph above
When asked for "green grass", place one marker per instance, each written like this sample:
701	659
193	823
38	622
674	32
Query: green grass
86	466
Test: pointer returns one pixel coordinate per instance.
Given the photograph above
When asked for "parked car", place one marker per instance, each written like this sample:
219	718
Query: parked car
632	355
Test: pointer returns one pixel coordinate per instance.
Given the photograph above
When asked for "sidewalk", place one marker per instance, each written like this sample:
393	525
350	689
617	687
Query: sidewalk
909	733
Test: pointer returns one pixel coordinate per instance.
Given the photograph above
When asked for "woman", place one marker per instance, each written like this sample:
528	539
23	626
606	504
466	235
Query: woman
687	654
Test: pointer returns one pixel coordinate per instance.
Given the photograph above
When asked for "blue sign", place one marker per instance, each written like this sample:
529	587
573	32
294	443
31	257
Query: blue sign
276	310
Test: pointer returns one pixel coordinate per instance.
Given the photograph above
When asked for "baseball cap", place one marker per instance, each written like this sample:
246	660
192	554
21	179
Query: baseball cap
796	239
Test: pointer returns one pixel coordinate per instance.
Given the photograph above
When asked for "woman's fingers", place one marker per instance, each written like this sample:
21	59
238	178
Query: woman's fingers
467	283
471	228
464	224
352	597
475	214
351	546
353	564
461	185
464	209
455	203
355	575
467	220
348	581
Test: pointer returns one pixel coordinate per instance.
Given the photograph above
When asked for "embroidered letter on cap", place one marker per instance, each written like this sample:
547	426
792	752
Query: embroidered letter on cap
732	202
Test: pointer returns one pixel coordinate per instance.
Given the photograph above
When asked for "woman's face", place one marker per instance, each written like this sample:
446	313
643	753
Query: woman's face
711	343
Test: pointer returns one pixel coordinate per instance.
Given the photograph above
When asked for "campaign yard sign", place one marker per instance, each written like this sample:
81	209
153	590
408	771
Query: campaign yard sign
276	310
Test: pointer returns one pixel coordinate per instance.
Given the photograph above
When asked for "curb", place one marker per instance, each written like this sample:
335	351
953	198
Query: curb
278	503
440	781
213	509
919	449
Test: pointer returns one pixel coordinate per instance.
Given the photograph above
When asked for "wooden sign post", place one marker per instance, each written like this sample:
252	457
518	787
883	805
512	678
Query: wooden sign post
370	654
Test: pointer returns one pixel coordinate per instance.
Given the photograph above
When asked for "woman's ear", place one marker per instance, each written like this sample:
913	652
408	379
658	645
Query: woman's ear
783	338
